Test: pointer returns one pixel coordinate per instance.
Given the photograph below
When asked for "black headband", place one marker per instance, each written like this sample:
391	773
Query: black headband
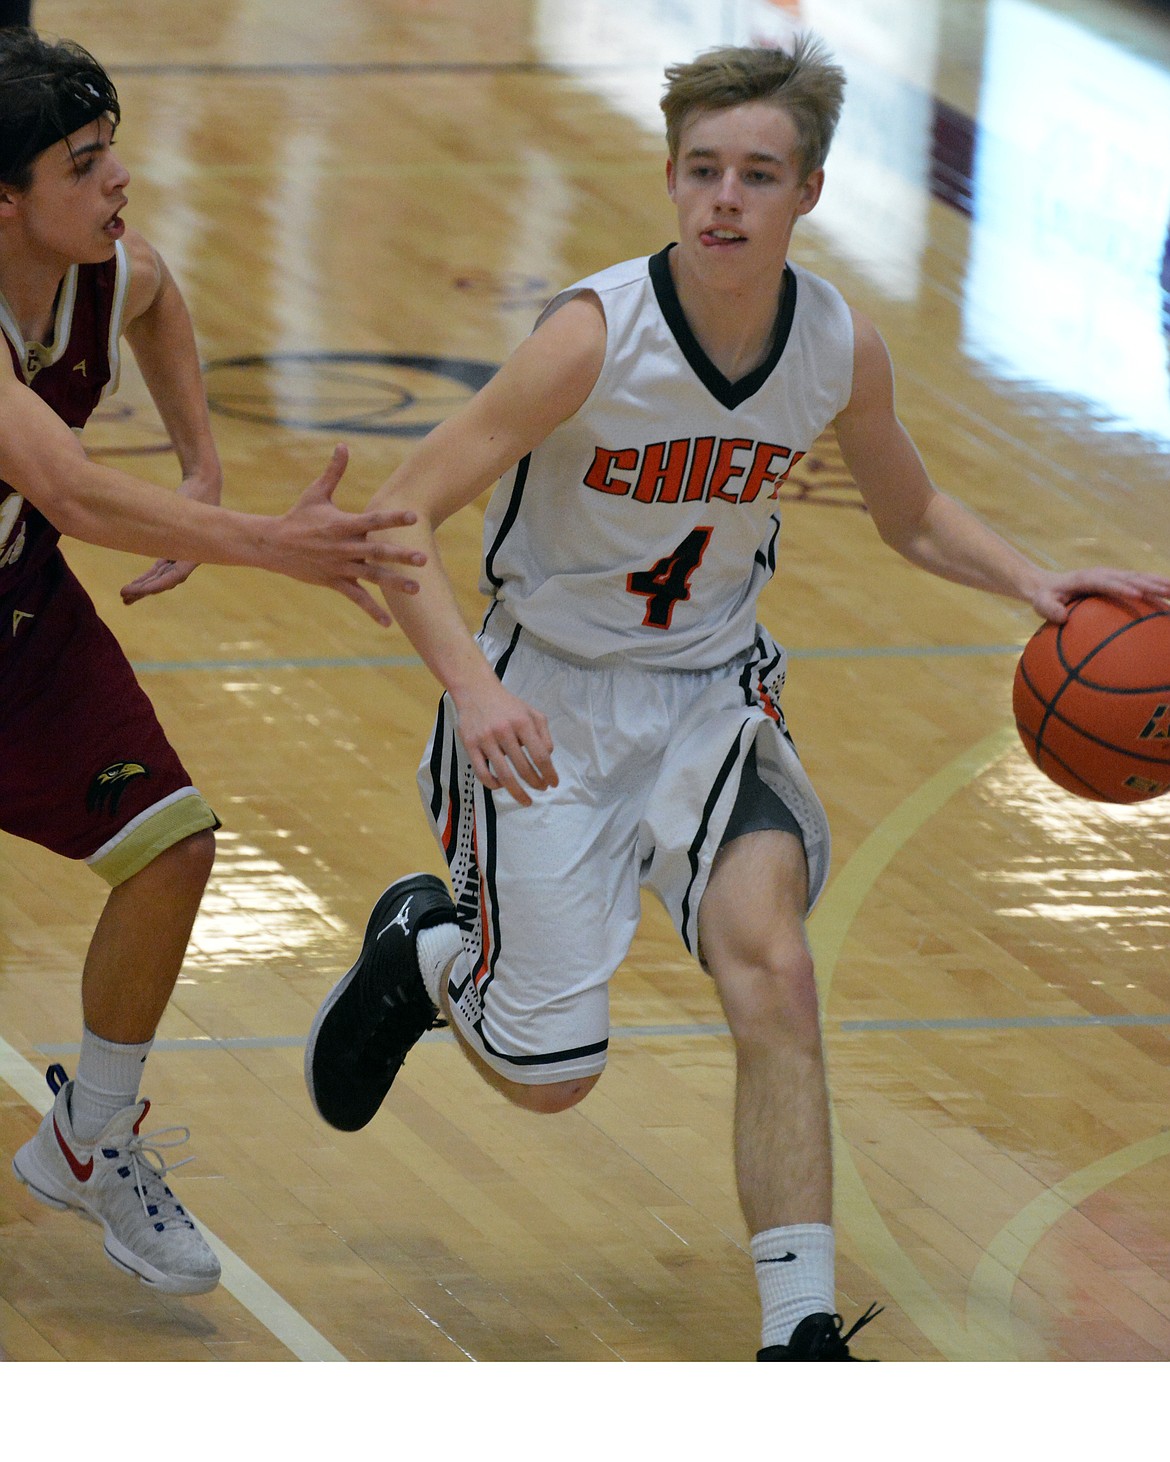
81	104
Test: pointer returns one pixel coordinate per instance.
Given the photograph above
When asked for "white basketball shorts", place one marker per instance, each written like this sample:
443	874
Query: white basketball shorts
649	763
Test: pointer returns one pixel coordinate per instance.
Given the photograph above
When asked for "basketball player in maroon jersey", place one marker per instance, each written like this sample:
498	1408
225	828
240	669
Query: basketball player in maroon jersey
85	768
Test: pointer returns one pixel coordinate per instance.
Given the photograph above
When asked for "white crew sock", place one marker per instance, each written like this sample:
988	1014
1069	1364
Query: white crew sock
107	1080
438	947
794	1270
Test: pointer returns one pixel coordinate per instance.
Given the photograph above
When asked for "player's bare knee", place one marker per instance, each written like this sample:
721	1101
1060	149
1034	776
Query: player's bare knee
190	859
557	1096
773	998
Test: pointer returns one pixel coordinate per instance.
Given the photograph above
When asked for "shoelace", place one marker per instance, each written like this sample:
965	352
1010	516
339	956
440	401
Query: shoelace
871	1314
150	1169
831	1344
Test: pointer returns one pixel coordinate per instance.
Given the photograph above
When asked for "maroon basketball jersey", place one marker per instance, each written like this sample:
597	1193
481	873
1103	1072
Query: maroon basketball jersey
70	374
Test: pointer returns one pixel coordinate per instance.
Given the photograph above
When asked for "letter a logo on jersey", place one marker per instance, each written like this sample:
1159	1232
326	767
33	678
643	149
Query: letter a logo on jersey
1158	726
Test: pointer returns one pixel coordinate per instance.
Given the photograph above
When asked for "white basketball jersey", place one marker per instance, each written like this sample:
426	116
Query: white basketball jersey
645	526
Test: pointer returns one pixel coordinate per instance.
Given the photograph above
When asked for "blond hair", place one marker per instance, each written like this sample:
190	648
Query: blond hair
805	82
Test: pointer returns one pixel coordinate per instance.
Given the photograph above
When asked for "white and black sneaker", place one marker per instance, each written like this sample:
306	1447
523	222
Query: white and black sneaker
378	1010
119	1181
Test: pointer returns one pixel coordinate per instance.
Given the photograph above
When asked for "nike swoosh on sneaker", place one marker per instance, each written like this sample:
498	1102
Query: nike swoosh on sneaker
81	1171
783	1259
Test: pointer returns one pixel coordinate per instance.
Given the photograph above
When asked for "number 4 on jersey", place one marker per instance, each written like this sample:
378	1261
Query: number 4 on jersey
669	580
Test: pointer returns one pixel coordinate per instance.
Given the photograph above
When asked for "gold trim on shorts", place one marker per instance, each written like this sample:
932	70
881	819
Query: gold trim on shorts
157	829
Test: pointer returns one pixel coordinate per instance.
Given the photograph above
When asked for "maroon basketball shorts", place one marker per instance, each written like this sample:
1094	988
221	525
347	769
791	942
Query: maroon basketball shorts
85	768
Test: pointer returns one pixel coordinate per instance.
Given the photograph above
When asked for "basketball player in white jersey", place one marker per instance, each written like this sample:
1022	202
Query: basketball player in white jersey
616	723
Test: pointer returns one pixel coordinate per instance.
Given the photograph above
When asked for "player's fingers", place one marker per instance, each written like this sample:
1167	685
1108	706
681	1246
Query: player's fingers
383	552
1152	587
396	584
1054	610
321	488
1125	581
532	751
535	767
376	522
540	748
387	580
494	771
366	601
514	748
160	577
510	766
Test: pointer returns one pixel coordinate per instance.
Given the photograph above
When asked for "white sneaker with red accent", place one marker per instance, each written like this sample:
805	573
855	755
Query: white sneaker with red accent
118	1180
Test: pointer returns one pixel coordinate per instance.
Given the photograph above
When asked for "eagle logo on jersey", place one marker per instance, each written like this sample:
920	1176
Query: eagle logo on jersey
105	791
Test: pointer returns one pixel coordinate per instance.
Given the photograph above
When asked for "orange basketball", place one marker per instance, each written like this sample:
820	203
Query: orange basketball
1092	700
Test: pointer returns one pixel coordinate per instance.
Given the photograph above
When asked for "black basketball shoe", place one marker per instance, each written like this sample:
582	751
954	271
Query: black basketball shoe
818	1337
378	1010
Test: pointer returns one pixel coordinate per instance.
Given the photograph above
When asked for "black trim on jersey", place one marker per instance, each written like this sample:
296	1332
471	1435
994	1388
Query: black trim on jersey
489	831
509	518
502	663
754	673
766	558
759	667
539	1060
717	787
489	877
455	803
437	744
727	393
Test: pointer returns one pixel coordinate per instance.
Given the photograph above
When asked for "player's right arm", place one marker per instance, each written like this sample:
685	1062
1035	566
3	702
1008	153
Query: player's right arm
316	542
545	381
933	530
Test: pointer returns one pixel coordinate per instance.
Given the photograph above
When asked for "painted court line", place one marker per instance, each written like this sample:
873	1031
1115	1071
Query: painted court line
975	1336
994	1280
367	662
671	1032
1002	1023
270	1043
259	1298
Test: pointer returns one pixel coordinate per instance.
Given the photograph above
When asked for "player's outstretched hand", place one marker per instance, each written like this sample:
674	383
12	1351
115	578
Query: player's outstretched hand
317	542
508	742
163	574
169	573
1055	593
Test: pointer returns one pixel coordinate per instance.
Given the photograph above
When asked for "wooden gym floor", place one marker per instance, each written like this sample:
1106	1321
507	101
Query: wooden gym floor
366	204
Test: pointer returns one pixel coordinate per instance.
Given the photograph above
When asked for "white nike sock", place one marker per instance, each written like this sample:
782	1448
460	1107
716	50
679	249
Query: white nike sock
108	1076
794	1270
438	948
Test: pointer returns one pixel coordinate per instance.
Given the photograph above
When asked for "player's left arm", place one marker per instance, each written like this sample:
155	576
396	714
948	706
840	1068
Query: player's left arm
931	529
158	328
